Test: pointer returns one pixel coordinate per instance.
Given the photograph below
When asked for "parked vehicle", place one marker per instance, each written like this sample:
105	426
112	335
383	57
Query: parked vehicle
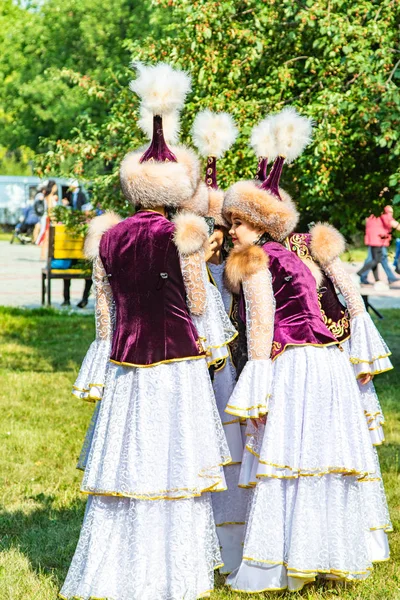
18	192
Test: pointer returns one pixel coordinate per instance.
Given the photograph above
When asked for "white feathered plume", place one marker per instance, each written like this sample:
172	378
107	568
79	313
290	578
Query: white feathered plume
160	88
213	133
292	133
171	124
263	140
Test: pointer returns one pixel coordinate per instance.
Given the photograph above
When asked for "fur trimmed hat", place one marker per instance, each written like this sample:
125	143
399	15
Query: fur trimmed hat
266	205
159	175
213	134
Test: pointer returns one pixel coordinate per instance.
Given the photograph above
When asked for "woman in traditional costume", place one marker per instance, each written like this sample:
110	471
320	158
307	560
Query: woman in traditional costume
359	338
213	134
158	446
318	508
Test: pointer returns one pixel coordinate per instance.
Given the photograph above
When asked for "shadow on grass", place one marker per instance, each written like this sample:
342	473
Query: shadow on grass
47	536
44	339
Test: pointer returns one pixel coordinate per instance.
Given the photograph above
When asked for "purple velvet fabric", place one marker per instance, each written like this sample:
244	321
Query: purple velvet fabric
153	323
158	149
261	174
271	184
335	316
298	319
211	173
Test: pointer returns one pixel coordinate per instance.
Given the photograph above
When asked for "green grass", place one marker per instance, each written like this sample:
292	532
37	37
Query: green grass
41	431
5	236
355	254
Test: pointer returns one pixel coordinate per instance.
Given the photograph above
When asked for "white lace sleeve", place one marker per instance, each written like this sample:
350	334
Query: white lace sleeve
260	312
368	351
213	325
251	394
90	382
192	272
342	280
105	311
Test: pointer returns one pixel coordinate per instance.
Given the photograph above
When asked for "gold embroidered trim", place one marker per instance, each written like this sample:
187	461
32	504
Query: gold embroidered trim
236	411
357	361
298	245
230	523
337	343
373	372
312	572
161	362
149	499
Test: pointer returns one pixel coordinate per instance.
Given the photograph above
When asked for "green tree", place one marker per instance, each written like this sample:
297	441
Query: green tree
337	61
38	42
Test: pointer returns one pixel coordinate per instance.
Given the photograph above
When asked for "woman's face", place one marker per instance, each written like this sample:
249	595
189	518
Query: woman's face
54	189
243	233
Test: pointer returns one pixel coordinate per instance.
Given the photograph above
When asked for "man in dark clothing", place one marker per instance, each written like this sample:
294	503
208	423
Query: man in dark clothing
75	197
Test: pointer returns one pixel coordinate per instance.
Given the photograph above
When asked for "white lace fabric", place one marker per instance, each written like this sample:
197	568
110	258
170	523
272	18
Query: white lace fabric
138	451
312	462
371	405
260	312
89	384
192	267
369	353
251	394
341	279
138	550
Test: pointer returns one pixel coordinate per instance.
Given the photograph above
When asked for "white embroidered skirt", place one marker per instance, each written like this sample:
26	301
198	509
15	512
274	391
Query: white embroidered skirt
157	447
319	507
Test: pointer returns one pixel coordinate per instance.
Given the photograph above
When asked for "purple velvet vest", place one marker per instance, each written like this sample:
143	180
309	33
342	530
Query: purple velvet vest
335	316
153	324
298	320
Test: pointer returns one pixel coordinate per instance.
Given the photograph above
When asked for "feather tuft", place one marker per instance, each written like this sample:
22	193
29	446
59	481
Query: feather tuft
171	125
213	133
160	88
263	139
292	132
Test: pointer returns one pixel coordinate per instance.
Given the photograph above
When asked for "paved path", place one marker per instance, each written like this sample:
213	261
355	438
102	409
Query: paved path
20	281
20	278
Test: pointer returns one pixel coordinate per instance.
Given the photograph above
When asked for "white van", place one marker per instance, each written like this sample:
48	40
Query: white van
17	192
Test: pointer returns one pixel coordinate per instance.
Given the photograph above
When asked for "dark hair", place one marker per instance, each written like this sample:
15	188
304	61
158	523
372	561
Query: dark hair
49	187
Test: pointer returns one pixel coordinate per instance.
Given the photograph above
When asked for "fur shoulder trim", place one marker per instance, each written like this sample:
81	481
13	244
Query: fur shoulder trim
242	264
326	244
191	233
97	228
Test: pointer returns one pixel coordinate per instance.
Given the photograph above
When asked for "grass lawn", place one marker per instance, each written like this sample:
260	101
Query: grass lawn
41	430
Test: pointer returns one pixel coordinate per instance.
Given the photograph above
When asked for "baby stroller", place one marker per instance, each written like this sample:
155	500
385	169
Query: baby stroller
24	229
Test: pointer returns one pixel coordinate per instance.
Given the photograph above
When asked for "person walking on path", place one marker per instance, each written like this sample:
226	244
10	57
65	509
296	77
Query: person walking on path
378	237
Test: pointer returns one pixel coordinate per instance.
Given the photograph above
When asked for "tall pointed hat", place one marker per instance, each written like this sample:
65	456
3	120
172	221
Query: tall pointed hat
213	134
263	143
268	206
160	175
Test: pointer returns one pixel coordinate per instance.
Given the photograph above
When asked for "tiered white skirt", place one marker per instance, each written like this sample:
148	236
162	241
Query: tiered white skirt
158	446
230	507
319	507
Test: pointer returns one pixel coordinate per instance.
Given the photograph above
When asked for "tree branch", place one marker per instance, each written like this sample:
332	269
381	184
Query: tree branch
389	79
294	59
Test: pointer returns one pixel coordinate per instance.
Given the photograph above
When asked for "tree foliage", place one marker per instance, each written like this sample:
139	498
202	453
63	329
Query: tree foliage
337	61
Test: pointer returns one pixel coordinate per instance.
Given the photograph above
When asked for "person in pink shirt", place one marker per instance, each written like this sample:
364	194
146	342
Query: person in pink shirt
378	235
